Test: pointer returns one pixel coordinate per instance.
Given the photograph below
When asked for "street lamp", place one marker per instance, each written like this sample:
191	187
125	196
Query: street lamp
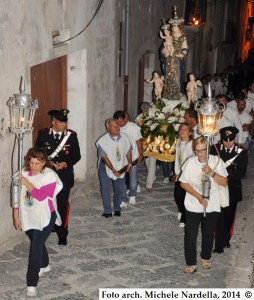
22	110
209	115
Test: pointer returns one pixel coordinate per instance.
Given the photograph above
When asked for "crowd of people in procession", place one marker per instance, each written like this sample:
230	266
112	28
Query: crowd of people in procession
48	174
226	164
48	177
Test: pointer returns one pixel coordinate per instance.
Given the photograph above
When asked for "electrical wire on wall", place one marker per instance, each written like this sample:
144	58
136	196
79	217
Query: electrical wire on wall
94	15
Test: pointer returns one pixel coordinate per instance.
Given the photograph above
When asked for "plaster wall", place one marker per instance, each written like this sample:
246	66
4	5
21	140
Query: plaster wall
26	28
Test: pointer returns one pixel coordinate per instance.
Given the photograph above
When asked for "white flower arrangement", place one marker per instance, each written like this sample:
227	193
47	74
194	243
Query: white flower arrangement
163	120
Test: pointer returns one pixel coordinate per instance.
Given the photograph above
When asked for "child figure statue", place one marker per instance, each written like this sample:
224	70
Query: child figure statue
158	82
191	89
168	44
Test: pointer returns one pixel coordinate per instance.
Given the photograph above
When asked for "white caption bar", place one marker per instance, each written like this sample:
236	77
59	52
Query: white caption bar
135	294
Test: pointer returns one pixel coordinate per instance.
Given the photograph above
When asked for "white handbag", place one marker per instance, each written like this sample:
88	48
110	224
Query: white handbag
223	195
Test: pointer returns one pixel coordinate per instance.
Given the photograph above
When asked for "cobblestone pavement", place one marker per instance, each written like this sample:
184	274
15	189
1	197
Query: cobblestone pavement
141	249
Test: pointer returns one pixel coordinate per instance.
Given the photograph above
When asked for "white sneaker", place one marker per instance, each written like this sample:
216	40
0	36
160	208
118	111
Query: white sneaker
165	180
132	200
127	192
182	225
31	291
179	216
123	205
139	189
44	270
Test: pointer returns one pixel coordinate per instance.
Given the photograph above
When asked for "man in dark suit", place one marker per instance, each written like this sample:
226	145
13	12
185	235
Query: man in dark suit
236	158
62	147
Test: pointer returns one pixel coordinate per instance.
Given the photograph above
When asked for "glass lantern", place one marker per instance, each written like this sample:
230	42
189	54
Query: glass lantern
209	115
22	110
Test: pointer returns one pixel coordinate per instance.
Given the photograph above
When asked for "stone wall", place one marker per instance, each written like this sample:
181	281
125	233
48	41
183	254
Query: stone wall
26	40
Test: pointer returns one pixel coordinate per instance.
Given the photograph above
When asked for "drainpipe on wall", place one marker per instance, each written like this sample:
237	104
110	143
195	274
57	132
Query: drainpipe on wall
126	66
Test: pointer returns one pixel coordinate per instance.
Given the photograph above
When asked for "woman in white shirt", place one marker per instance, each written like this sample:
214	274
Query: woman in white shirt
192	178
183	152
37	212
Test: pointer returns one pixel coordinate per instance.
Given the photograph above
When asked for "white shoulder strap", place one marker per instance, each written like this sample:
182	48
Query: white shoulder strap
229	162
60	146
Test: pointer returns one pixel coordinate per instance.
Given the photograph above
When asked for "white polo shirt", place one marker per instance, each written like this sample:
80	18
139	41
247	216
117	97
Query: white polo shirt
132	130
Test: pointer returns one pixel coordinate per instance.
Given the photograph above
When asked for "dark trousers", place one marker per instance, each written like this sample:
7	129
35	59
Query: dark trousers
179	195
63	207
38	254
225	225
208	225
166	166
127	180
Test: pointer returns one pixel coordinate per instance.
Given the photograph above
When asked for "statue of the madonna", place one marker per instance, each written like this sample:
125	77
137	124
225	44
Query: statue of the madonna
173	53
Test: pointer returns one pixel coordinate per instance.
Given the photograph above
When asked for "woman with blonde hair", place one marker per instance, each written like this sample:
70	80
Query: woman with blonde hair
194	171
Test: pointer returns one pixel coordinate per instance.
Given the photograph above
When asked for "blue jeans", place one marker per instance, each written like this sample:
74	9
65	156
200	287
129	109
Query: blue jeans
133	184
119	190
38	255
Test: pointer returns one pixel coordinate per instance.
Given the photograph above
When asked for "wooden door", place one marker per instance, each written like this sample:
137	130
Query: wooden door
49	86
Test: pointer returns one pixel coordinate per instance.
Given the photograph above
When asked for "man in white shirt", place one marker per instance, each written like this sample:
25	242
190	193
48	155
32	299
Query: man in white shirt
246	120
233	104
132	130
230	117
217	84
114	153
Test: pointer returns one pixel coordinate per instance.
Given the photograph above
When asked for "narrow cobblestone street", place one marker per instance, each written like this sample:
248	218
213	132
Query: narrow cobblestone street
141	249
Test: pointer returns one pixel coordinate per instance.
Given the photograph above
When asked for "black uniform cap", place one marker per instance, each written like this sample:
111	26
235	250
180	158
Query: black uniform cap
60	115
227	134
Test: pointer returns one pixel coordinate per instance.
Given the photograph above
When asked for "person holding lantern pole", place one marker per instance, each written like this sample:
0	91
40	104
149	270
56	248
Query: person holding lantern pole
193	172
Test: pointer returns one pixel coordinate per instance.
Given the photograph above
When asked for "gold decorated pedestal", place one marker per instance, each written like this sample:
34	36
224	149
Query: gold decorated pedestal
159	148
160	156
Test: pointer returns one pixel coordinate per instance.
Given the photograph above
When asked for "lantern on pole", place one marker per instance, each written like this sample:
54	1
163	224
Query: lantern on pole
22	110
209	115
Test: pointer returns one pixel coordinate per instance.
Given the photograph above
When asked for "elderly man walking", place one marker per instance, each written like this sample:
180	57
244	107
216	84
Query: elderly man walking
114	153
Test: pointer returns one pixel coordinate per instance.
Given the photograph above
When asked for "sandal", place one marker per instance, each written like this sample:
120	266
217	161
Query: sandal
206	263
190	269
